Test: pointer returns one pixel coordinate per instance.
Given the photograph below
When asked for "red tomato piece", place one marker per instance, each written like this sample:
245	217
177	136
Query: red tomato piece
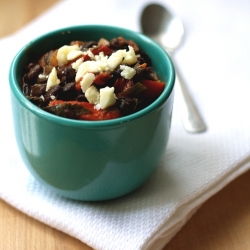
154	88
94	115
122	84
56	102
119	85
86	58
101	78
101	114
78	86
102	48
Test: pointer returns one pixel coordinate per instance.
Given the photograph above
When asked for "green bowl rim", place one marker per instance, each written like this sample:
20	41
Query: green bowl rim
82	123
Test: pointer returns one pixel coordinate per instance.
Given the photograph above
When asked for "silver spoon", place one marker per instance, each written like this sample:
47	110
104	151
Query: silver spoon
158	23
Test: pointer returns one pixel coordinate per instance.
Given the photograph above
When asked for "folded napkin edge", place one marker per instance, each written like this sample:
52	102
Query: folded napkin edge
187	209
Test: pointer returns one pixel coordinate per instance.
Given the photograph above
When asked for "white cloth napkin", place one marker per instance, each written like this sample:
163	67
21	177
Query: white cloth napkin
215	61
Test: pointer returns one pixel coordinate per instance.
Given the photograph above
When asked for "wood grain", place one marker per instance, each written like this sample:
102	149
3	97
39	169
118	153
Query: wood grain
223	222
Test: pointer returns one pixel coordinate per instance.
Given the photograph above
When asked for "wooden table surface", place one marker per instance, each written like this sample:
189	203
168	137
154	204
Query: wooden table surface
223	222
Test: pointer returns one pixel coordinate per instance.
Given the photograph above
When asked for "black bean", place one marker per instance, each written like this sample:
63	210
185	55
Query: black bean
118	43
144	58
81	98
26	89
29	66
68	92
126	105
33	73
89	44
141	73
39	101
38	89
68	87
117	72
53	92
151	74
66	74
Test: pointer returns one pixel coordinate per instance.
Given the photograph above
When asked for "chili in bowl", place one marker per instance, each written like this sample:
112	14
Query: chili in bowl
92	134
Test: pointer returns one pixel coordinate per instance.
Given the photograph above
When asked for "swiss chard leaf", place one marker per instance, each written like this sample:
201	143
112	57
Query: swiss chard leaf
67	110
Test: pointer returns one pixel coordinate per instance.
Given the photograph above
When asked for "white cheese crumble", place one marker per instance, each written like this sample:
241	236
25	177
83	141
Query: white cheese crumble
77	63
127	72
97	106
116	58
107	97
90	54
85	67
73	54
42	76
101	57
42	97
122	56
85	72
130	56
102	63
92	94
87	81
52	79
63	52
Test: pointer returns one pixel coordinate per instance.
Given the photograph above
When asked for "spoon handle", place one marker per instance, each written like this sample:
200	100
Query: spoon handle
192	120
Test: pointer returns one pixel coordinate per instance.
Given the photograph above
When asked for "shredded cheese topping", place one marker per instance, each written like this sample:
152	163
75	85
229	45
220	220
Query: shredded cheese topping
85	71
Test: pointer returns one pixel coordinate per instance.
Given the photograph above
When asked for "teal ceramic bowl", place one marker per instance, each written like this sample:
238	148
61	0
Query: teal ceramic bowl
91	160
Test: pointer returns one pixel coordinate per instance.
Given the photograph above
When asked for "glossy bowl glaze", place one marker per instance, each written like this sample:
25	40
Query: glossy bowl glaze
91	160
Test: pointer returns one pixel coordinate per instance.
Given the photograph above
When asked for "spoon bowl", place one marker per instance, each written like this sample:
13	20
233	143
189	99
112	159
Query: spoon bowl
168	31
164	29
